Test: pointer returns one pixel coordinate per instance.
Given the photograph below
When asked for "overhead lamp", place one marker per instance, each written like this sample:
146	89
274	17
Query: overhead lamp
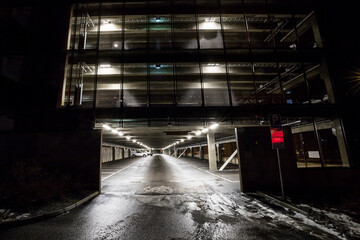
107	127
189	137
114	131
116	45
182	140
205	130
134	140
104	66
177	142
198	133
213	126
157	66
120	134
128	138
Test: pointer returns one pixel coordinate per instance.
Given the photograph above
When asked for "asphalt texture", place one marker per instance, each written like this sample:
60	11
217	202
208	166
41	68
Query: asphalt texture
162	197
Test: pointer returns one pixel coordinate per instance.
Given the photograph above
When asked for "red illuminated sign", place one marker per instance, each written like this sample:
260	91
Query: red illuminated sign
277	137
277	134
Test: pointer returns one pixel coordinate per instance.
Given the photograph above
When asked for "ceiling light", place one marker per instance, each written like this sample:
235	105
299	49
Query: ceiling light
107	127
189	137
205	130
128	138
116	45
114	131
134	140
177	142
198	132
213	126
120	134
182	140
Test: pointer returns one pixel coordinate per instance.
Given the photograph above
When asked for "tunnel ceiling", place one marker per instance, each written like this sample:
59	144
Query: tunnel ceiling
160	137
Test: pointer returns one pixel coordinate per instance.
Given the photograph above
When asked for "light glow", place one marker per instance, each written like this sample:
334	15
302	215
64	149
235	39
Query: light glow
214	126
205	130
114	131
197	133
107	127
189	137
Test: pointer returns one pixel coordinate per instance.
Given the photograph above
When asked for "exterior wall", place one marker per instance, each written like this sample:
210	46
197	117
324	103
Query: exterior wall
64	161
258	167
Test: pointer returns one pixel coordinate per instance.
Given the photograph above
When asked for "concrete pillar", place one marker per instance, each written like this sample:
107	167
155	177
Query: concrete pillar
211	151
341	142
113	158
175	151
201	152
218	152
191	152
126	153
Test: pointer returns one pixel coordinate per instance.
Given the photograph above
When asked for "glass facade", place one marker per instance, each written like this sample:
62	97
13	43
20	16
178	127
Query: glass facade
237	53
200	53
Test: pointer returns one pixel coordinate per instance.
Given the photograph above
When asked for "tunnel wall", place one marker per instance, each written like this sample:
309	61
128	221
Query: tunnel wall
49	164
258	161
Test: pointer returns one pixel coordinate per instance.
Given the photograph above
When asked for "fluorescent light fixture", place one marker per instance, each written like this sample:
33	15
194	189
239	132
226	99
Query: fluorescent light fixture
182	140
177	142
134	140
116	45
205	130
213	126
107	127
120	134
114	131
104	66
128	138
189	137
198	133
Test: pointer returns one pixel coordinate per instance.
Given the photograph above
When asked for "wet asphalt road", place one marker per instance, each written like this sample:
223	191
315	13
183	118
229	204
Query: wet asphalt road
161	197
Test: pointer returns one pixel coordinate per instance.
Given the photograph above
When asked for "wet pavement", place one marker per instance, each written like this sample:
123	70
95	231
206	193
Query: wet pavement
161	197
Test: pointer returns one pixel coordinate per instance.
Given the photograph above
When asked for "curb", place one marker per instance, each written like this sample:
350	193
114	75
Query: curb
283	204
43	216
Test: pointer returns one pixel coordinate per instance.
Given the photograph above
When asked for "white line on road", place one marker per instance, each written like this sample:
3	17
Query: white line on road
119	171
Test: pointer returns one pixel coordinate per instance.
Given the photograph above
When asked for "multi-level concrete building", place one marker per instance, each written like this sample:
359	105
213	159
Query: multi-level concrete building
158	71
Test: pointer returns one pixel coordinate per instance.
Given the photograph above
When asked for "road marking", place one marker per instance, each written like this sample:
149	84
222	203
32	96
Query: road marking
228	180
119	171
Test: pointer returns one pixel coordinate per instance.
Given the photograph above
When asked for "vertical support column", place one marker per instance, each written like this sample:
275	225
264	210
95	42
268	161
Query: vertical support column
218	152
113	158
191	152
211	151
341	142
201	153
175	152
126	153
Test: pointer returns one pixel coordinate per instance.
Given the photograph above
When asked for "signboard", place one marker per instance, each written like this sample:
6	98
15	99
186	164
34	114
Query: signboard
277	134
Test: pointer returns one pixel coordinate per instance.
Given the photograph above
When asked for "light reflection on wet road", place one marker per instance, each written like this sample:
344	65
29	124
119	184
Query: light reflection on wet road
161	197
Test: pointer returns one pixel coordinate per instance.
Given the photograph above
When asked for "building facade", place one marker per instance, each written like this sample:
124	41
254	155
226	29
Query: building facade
233	61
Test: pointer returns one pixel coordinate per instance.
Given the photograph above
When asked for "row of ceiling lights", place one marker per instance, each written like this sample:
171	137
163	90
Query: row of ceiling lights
197	133
121	134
